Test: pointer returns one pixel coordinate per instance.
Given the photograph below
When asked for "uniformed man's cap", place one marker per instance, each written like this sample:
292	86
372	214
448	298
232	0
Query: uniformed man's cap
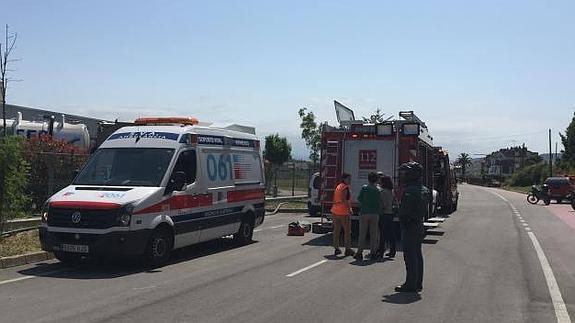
414	169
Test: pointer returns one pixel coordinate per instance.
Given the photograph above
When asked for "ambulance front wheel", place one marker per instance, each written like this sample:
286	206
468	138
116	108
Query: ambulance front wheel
246	231
159	247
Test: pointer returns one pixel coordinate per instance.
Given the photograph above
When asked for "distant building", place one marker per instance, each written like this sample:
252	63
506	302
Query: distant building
506	161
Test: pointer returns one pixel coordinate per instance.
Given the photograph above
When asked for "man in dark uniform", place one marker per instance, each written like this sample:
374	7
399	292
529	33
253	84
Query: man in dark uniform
412	210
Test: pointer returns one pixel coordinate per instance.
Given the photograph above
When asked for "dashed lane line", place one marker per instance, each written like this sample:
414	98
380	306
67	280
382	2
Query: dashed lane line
295	273
561	312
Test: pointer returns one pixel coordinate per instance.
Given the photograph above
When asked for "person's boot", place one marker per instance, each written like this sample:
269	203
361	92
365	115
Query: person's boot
390	254
404	289
358	255
337	251
349	252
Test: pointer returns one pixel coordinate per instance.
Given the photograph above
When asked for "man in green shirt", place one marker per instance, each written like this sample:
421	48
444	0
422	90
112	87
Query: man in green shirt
370	207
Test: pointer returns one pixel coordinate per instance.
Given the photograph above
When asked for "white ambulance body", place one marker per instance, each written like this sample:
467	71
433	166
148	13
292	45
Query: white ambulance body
163	184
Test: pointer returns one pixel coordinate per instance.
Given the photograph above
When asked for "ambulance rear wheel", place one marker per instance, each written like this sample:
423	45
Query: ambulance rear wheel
246	231
159	247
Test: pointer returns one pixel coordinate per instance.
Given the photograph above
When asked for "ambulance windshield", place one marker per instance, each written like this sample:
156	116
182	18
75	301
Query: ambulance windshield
126	167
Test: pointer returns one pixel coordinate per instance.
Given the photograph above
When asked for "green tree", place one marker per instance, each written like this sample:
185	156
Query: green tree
377	117
311	134
463	160
14	175
568	140
277	151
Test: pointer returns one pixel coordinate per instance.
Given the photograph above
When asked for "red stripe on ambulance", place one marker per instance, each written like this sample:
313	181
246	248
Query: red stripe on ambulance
245	195
83	205
180	202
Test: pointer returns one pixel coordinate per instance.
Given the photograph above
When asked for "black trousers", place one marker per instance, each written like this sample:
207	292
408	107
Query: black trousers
412	237
387	233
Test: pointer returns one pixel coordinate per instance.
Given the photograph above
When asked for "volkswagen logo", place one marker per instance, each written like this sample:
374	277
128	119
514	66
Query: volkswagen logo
76	217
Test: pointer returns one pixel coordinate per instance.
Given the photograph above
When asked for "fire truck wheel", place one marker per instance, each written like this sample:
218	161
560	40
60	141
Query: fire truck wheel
159	247
246	231
67	258
455	205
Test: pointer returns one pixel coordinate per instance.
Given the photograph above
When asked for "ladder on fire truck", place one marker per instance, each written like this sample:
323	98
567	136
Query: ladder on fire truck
329	175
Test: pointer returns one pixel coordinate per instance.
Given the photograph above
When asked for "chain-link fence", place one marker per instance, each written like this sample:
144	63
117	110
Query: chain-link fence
292	178
51	172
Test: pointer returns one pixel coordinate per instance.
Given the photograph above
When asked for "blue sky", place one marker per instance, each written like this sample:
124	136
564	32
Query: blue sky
482	74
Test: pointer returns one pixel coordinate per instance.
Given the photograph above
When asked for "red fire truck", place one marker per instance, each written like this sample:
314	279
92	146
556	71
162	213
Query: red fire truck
358	148
444	182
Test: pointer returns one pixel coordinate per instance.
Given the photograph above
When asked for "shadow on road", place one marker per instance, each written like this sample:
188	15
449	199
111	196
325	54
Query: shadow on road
430	241
401	298
326	240
435	233
95	268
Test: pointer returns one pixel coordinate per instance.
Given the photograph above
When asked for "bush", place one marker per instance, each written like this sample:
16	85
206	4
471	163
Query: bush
534	174
14	176
52	166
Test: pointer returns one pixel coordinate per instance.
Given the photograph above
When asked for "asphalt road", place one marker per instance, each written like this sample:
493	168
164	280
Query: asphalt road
481	265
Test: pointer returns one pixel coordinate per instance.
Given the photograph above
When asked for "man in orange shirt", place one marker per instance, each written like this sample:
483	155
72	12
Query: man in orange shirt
341	213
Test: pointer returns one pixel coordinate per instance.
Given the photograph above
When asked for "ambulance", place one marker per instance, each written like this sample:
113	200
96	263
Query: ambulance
156	186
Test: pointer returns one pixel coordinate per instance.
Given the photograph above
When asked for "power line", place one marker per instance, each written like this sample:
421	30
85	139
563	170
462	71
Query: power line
498	138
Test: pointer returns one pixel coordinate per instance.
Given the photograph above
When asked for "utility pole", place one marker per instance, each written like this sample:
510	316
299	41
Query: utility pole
523	153
550	156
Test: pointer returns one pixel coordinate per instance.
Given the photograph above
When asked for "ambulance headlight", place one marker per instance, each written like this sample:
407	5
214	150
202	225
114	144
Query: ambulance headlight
126	215
45	211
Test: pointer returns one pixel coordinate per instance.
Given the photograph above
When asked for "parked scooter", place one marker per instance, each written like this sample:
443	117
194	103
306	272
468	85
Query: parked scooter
542	193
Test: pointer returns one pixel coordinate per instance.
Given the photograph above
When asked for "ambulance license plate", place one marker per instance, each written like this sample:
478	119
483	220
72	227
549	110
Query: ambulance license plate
75	248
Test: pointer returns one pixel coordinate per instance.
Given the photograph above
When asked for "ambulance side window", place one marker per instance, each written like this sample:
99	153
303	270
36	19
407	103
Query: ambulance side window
187	164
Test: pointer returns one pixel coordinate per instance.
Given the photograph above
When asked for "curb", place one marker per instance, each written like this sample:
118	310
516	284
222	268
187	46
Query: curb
28	258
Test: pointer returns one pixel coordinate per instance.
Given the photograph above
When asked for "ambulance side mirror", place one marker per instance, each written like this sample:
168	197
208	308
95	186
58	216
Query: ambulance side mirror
177	182
180	179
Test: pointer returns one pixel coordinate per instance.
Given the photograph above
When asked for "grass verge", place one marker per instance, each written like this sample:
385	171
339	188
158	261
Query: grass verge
518	189
20	243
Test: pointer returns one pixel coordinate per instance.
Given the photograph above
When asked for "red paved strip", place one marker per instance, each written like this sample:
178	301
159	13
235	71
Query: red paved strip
246	195
180	202
85	205
564	212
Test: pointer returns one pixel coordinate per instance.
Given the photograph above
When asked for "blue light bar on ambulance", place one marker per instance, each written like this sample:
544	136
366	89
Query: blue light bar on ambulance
385	129
410	129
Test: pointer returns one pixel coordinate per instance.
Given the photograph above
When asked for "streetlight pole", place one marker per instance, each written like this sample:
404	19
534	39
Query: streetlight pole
550	156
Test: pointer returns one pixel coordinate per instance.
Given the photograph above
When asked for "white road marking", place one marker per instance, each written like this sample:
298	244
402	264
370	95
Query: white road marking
144	288
295	273
30	277
16	280
277	227
258	230
558	303
525	224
